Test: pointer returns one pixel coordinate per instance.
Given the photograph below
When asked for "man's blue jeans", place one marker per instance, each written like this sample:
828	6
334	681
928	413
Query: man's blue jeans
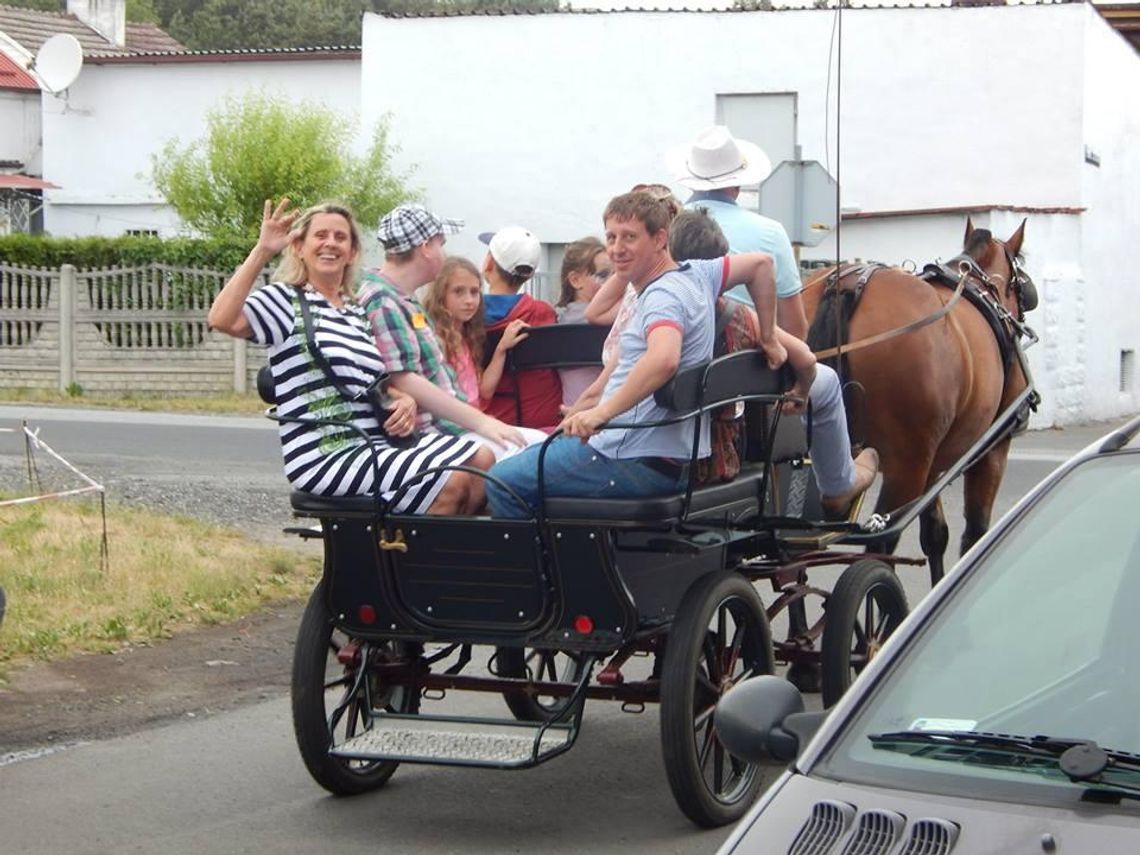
573	468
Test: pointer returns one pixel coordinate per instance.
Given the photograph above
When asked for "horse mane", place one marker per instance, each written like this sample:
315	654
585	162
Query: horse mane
829	326
978	243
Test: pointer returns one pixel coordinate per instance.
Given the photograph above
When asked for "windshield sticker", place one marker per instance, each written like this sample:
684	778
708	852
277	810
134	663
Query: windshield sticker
943	724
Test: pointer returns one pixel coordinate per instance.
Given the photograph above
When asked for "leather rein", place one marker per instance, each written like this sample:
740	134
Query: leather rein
964	271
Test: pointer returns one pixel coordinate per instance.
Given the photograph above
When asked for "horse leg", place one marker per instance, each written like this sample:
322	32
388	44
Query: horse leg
982	481
903	481
934	535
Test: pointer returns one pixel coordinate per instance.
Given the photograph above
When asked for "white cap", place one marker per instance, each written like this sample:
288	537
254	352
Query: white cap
514	249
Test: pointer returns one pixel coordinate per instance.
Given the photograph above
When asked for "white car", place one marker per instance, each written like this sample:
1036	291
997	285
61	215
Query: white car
1002	716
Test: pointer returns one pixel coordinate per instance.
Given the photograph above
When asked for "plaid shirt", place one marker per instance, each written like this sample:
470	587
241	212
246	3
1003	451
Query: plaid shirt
406	340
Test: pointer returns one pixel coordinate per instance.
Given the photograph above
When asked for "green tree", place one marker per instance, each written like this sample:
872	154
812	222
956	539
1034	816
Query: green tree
258	147
225	24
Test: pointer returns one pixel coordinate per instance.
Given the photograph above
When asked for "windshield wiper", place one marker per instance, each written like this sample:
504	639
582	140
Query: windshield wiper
1080	760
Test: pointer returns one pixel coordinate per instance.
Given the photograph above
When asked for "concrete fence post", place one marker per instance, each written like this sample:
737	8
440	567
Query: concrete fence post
241	362
66	326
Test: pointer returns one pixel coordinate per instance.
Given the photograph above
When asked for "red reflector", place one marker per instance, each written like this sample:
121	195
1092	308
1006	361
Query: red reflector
367	614
584	624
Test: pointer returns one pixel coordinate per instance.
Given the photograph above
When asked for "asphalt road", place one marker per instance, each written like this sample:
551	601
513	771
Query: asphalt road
233	782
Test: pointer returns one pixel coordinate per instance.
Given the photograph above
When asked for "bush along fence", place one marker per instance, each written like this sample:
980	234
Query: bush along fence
128	329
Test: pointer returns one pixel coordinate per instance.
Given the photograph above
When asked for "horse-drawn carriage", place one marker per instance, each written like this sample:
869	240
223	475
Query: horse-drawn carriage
549	611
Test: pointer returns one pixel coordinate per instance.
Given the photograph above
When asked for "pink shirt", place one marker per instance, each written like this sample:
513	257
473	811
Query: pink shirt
466	375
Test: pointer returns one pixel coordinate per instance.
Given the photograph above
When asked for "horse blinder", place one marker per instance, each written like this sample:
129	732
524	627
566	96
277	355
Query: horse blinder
1026	289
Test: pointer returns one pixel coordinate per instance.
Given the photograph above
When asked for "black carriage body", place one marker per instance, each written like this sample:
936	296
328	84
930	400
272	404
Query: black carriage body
587	575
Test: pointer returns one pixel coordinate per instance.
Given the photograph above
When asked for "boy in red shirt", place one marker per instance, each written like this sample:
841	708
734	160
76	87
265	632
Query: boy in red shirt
512	258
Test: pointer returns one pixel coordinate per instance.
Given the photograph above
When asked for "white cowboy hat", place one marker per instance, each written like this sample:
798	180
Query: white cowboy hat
716	159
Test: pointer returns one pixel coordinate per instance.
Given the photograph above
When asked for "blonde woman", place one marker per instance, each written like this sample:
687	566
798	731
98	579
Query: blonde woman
321	247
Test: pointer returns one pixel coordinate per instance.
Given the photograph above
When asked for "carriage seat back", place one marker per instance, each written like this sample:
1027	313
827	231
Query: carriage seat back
554	346
739	376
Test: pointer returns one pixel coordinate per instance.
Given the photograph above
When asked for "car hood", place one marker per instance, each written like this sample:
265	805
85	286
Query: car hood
805	815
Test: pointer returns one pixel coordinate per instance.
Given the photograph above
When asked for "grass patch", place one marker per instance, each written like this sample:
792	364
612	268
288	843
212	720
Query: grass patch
162	573
219	404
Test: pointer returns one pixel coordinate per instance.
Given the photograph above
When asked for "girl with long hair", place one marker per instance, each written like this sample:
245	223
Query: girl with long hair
454	302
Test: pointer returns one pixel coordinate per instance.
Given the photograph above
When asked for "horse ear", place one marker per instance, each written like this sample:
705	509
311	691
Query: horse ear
969	230
1014	243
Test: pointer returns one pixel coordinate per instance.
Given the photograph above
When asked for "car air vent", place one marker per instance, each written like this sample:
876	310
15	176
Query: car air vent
931	837
828	823
876	833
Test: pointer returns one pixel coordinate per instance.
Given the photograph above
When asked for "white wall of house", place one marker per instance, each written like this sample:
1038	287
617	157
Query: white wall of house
98	144
541	119
545	117
20	128
1096	321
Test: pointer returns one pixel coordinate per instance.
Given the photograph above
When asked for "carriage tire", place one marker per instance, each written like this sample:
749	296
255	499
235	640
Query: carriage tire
710	786
867	592
319	680
544	665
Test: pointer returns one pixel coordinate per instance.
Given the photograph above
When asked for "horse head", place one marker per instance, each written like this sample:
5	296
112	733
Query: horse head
1001	263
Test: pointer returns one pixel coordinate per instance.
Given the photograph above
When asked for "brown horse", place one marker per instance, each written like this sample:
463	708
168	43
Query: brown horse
933	391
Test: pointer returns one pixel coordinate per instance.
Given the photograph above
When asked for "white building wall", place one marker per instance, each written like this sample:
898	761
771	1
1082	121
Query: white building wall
98	144
1097	319
20	129
542	118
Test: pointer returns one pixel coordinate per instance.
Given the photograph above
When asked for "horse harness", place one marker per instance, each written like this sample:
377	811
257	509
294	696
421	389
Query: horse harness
967	279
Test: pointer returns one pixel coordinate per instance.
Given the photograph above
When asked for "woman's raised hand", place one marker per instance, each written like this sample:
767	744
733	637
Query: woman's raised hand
276	226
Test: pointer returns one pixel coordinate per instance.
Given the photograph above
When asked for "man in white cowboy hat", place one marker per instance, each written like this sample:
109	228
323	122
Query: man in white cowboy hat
715	166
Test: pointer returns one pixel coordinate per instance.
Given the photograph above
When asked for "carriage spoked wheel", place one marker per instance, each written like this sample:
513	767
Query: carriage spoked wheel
867	605
322	682
546	666
720	636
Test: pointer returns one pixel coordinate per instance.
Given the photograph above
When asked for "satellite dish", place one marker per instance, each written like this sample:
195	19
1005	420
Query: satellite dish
58	62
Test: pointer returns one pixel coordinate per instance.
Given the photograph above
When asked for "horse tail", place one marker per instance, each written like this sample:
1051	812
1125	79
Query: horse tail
830	326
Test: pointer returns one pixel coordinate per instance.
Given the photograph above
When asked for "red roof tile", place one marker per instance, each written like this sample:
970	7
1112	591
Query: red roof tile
12	76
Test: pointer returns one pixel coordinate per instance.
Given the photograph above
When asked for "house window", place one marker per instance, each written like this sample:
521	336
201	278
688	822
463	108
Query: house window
1127	371
150	233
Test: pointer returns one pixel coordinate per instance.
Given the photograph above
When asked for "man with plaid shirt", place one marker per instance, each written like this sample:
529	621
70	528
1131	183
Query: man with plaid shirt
413	240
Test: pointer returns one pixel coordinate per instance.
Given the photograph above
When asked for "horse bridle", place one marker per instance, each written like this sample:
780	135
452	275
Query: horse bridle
1020	283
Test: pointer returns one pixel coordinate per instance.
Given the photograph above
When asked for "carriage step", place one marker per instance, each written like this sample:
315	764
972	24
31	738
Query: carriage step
458	741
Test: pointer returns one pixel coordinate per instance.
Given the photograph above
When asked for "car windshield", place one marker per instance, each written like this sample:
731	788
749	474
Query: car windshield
1041	640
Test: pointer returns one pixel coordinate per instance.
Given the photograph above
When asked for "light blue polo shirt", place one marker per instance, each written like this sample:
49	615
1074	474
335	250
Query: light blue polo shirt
685	299
747	231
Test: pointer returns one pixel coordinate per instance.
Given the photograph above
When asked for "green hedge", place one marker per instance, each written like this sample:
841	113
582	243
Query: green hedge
97	252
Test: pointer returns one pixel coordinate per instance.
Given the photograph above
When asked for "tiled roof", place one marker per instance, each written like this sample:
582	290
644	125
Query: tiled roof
233	55
1124	18
31	28
12	76
728	6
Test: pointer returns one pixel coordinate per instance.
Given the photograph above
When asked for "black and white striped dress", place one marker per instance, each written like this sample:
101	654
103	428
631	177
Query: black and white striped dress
329	460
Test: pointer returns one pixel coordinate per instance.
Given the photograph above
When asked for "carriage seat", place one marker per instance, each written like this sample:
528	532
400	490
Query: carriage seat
733	500
740	376
310	504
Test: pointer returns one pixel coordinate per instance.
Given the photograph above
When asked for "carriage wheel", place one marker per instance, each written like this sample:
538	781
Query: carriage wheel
320	683
548	666
719	637
867	605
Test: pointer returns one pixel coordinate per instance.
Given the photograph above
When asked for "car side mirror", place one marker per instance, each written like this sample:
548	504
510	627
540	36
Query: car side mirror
764	718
